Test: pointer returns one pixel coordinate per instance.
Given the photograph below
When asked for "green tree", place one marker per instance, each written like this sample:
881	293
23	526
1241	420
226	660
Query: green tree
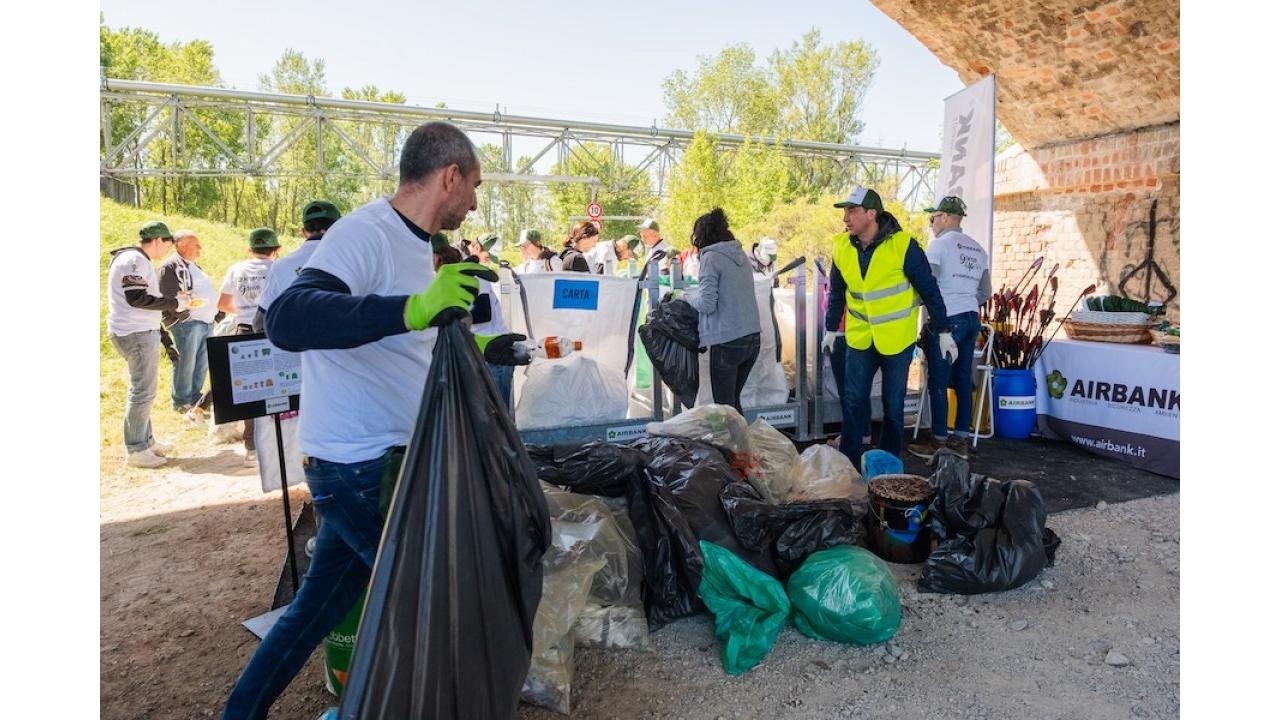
138	54
810	91
627	190
728	93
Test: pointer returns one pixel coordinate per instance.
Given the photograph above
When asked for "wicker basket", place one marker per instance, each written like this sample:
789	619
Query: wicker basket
1170	343
1099	332
1098	317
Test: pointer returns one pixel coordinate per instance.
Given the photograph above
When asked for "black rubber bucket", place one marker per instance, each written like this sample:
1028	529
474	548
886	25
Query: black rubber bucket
897	532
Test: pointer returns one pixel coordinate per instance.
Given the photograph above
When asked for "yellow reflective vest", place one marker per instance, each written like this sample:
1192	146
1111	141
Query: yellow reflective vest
881	309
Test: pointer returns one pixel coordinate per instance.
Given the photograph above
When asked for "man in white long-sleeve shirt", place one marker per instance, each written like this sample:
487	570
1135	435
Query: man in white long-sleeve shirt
963	271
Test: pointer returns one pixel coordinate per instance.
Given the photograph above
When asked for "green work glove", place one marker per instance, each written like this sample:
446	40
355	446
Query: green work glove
448	297
500	349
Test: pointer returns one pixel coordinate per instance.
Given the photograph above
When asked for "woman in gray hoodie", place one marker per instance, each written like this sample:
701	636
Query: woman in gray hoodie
728	320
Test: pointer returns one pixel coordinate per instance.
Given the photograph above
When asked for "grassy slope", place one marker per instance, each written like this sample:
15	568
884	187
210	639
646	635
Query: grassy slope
223	245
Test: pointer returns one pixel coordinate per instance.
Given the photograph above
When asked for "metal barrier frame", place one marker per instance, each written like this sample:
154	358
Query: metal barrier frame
793	415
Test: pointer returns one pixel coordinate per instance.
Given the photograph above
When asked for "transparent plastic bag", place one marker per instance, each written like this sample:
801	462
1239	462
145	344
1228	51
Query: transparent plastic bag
720	425
565	587
826	474
612	626
775	461
585	527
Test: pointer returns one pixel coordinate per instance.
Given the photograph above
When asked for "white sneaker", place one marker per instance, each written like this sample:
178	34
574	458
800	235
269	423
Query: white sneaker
195	416
251	459
145	459
161	448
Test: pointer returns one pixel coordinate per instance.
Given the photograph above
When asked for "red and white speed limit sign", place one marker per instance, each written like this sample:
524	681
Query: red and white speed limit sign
594	211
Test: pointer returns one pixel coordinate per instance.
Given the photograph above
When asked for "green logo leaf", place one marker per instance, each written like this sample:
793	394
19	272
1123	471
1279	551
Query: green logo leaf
1057	384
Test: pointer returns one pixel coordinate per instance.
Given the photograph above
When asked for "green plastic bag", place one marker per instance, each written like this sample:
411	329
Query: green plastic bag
845	594
750	607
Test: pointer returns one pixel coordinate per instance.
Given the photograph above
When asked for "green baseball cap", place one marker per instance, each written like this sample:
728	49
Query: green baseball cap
263	239
320	209
951	204
528	236
154	229
864	198
648	224
488	240
632	241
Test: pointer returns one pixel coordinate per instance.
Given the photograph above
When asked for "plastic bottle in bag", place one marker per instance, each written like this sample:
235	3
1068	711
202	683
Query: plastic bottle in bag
551	348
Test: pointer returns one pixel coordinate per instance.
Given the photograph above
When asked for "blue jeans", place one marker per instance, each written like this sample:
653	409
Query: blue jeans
350	527
193	361
959	375
859	371
502	375
838	351
141	351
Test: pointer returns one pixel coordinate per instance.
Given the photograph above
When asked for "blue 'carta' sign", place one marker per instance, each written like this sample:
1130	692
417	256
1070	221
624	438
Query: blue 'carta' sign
576	295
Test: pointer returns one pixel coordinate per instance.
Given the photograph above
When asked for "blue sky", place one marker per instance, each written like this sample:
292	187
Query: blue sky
572	59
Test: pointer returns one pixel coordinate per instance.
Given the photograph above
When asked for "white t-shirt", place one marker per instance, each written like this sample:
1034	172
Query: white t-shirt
285	271
131	270
202	287
597	256
961	261
538	265
244	282
495	326
360	401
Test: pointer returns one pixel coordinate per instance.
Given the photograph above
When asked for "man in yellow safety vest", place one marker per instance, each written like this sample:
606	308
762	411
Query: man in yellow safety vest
879	276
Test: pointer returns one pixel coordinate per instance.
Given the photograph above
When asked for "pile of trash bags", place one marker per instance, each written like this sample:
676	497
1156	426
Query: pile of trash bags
991	533
610	542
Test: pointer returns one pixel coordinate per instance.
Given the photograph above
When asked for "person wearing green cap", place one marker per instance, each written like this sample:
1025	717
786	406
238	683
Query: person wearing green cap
485	248
364	313
134	307
624	250
879	276
317	217
537	257
241	289
964	277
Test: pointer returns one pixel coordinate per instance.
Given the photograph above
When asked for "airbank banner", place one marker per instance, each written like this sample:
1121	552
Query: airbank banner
1119	401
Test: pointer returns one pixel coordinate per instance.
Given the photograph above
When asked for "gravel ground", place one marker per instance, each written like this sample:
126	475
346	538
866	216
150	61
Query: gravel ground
1094	637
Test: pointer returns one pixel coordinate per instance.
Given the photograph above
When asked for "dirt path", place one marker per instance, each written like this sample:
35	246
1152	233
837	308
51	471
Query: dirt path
188	552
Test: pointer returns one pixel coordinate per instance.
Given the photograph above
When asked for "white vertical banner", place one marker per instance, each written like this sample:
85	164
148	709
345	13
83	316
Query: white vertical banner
969	156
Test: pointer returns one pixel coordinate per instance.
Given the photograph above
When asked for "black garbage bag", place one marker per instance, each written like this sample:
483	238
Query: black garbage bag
791	532
670	336
447	627
672	559
991	533
697	472
597	468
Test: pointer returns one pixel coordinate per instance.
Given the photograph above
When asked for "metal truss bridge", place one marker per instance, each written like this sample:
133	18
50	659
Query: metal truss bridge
247	134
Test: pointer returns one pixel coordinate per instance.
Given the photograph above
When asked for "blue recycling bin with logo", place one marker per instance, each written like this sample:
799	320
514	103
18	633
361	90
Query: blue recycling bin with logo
1015	403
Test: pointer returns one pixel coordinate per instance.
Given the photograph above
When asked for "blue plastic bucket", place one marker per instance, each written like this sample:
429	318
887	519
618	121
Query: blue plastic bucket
1015	403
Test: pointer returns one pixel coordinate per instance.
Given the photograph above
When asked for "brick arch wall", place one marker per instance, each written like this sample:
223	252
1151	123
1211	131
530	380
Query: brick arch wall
1090	90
